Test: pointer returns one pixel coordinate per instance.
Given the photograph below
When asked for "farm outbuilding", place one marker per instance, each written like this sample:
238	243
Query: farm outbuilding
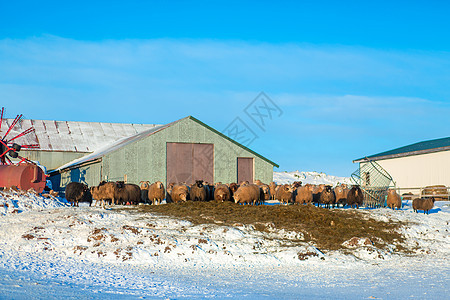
414	166
182	151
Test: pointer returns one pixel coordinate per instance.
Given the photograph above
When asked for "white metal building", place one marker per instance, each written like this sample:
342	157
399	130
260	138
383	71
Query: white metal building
417	165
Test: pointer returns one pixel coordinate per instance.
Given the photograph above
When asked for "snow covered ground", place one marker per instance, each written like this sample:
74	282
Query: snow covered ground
49	250
309	177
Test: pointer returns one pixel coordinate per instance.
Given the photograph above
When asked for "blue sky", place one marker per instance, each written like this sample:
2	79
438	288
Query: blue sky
351	78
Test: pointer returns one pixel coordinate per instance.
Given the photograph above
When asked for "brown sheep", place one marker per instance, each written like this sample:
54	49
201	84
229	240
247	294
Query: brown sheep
425	204
103	192
341	192
198	191
284	194
304	194
393	200
180	192
272	187
247	194
222	193
327	197
258	182
156	192
355	197
127	193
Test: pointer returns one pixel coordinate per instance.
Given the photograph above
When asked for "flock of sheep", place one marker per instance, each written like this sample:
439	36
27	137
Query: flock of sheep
120	193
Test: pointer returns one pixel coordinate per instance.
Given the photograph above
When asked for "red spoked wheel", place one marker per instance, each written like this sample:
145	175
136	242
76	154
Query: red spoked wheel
8	147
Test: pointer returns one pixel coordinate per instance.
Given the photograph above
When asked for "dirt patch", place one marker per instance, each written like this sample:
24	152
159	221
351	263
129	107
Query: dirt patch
326	229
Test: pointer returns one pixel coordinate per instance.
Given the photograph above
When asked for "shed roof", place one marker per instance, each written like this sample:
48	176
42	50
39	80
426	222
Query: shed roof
70	136
99	153
437	145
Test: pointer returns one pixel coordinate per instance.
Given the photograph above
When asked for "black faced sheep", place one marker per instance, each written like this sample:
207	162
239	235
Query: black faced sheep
222	193
156	192
355	197
247	194
327	197
266	191
284	194
144	185
393	200
169	192
425	204
233	188
78	192
180	192
304	194
198	191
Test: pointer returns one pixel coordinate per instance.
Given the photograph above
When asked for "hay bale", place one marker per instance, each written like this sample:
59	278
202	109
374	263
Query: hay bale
439	192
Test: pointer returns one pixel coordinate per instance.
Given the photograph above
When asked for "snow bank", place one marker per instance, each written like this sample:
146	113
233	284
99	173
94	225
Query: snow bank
19	201
309	177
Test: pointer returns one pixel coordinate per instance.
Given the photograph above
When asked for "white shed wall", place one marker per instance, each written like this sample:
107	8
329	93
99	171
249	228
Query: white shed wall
419	170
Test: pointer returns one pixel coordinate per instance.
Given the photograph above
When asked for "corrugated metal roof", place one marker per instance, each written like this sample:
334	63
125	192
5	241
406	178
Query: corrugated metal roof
99	153
424	147
71	136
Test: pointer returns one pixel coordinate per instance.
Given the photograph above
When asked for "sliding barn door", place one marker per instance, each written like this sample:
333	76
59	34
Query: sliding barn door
245	169
187	162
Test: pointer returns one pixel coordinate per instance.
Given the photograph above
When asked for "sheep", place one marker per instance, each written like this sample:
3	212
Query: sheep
304	194
144	185
272	187
198	191
341	192
296	184
284	194
78	192
424	204
127	193
104	191
209	190
327	197
247	194
169	192
180	192
355	197
317	189
233	188
266	192
222	193
156	192
393	199
245	182
258	182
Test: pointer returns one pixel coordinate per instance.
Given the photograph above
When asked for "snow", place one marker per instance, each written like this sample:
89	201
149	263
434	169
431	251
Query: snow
309	177
51	250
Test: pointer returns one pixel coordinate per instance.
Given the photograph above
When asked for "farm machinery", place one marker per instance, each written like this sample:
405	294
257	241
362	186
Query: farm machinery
15	170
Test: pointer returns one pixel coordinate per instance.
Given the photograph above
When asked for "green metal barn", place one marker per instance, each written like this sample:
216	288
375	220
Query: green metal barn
182	151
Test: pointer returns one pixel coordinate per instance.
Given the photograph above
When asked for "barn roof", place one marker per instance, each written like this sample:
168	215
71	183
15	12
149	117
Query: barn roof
70	136
437	145
98	154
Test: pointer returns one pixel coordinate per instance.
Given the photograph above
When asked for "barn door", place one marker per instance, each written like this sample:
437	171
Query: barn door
188	162
245	169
